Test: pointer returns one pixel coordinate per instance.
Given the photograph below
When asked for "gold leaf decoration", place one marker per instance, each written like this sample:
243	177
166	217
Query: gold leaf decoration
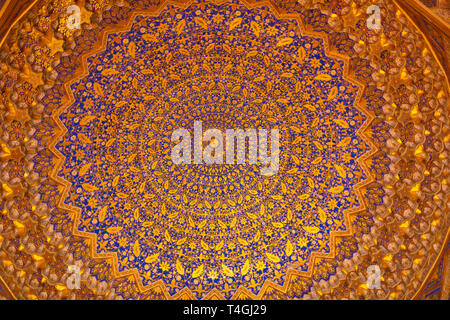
340	171
181	241
137	249
169	57
173	214
283	187
109	72
102	214
134	169
84	169
115	181
242	241
289	214
233	222
333	93
278	224
210	48
201	22
204	245
310	182
252	53
219	246
322	215
315	122
344	142
227	271
89	187
337	189
318	145
114	230
262	210
167	236
86	120
149	37
122	195
235	23
147	224
136	214
301	54
142	187
287	75
152	258
132	49
255	28
295	129
179	265
180	27
98	89
323	77
110	142
297	140
251	215
257	236
228	50
310	107
317	160
185	52
289	248
311	229
292	171
191	222
342	123
240	70
83	138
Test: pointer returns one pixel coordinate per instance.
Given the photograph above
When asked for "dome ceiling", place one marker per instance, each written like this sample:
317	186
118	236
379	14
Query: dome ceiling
88	178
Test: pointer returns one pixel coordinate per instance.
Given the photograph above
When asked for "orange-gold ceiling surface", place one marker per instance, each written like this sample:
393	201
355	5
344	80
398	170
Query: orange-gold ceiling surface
87	178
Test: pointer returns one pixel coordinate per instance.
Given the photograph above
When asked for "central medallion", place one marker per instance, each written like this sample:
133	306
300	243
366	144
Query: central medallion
211	225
